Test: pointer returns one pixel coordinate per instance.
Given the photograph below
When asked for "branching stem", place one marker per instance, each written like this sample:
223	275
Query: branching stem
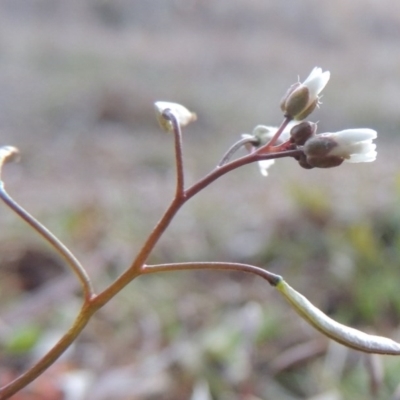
50	238
45	233
267	147
93	302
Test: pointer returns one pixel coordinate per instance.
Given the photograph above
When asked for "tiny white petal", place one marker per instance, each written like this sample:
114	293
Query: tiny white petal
368	157
316	82
354	135
264	129
264	165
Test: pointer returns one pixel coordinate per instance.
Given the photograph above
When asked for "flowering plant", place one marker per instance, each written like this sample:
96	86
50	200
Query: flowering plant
298	140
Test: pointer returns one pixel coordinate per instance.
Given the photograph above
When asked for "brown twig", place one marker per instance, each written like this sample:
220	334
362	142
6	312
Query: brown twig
271	278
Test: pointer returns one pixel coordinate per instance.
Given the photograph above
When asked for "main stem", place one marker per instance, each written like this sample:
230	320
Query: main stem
135	269
80	322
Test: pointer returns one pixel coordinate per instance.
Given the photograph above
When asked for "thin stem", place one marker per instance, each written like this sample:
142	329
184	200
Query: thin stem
248	159
48	236
176	128
235	147
284	146
274	138
80	322
272	279
135	269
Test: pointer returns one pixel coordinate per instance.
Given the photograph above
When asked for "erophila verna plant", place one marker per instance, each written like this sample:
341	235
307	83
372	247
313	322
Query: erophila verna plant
296	138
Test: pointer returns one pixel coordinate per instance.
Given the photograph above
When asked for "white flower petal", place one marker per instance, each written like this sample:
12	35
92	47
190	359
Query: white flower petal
354	135
264	132
267	132
316	82
352	148
355	145
264	165
363	147
356	158
366	157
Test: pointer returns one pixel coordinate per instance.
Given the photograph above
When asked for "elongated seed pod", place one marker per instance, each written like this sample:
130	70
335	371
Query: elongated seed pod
343	334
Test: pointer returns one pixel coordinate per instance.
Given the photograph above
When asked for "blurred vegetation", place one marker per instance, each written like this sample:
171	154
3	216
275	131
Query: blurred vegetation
78	80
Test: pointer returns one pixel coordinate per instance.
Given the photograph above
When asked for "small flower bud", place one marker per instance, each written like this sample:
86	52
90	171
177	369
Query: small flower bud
302	98
296	103
287	94
302	160
183	115
301	132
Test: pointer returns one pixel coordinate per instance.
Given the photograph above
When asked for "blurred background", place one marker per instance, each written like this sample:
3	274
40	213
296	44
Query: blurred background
78	80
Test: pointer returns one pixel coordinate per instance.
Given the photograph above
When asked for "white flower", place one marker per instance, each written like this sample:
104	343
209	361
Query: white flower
354	145
183	115
264	134
302	98
331	149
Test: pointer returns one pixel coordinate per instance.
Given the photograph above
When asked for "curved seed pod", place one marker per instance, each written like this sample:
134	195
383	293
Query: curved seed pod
345	335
